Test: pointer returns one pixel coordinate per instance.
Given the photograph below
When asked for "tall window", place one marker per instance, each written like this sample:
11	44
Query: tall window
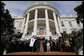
20	24
50	14
62	23
32	15
70	23
41	13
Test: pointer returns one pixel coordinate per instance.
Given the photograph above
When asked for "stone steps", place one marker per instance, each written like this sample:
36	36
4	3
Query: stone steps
43	53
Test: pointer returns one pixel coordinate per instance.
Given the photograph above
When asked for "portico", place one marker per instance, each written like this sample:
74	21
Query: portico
41	19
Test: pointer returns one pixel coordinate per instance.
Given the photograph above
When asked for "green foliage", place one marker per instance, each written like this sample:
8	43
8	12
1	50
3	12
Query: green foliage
6	20
79	10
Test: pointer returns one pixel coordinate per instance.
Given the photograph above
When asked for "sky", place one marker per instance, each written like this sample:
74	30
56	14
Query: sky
17	8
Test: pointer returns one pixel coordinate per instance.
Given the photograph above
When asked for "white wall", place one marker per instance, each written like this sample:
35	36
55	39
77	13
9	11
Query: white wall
67	26
66	20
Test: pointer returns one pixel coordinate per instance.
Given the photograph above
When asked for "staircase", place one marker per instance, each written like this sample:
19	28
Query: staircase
42	52
45	53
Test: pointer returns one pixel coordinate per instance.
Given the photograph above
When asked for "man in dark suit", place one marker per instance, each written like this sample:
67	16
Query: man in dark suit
44	45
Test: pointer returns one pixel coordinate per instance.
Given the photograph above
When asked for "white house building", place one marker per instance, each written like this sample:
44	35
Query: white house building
42	19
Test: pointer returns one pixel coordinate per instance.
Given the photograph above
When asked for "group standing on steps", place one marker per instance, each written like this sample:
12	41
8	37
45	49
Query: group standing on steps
14	44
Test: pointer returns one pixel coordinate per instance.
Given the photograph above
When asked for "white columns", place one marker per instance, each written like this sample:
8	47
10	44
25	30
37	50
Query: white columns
26	26
47	23
35	23
59	23
56	25
23	25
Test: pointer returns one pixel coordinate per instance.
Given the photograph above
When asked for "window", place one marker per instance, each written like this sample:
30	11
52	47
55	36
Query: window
41	29
70	23
32	15
50	14
41	13
62	23
16	24
20	24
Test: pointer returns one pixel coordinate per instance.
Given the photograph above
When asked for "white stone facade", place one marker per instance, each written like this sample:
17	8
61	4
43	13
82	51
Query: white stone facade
43	17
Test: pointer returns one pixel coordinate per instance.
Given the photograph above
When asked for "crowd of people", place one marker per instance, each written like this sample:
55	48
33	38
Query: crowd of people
17	45
72	41
67	42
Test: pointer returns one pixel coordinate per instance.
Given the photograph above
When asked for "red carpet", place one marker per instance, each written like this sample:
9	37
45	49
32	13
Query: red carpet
41	46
